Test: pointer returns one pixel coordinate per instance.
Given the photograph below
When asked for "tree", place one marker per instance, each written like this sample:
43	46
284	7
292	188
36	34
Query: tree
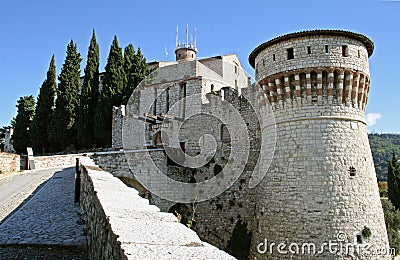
89	96
392	221
136	69
44	110
22	123
62	129
111	94
3	131
394	181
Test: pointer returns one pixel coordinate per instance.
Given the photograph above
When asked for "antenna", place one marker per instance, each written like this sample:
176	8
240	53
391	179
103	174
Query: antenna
176	41
187	35
195	33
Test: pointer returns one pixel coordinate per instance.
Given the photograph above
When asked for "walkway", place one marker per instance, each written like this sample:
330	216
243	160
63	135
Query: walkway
48	223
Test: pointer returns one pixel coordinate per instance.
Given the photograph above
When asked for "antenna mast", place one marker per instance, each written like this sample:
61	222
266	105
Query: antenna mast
187	35
195	37
176	41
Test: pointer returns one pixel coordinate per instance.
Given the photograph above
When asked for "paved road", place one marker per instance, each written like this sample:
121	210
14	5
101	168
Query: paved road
48	225
17	187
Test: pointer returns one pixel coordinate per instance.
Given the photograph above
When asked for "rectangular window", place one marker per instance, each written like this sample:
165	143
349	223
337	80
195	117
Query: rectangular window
273	57
290	54
225	137
345	51
166	100
326	49
358	53
309	50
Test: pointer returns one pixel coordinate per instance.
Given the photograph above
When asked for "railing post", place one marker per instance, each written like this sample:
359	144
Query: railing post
77	181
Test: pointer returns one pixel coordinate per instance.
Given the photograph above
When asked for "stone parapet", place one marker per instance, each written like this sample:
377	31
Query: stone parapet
122	225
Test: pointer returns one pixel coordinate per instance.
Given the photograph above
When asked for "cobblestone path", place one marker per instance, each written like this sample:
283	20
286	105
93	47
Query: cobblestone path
48	225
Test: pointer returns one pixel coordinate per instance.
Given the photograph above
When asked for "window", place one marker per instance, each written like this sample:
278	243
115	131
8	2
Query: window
352	171
236	69
358	54
273	57
359	239
290	54
345	51
225	136
308	49
212	87
326	49
167	100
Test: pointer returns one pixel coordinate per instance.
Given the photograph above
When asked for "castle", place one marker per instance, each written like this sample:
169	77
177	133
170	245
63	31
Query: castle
304	128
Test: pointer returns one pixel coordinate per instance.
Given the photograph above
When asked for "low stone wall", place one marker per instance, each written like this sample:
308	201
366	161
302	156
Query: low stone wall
42	162
122	225
9	162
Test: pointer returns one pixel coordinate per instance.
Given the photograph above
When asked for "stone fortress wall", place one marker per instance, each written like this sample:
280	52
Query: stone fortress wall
321	181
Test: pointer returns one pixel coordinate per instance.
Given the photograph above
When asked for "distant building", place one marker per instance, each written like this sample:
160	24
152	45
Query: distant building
8	147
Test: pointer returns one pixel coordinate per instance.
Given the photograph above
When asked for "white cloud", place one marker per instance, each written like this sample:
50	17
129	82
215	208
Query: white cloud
372	117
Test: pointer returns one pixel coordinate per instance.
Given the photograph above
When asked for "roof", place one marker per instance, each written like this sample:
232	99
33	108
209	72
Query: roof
356	36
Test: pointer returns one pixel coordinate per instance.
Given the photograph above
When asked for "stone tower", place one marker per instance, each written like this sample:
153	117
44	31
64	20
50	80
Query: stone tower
321	185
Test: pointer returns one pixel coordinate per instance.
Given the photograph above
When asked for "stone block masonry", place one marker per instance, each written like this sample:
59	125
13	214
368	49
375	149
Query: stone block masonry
43	162
9	162
122	225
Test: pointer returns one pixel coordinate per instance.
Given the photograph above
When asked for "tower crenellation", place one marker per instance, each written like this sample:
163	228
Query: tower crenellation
322	67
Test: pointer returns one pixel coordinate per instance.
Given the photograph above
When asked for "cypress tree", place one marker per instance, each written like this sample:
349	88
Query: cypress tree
89	96
44	110
111	95
129	68
62	129
136	69
394	181
22	123
141	67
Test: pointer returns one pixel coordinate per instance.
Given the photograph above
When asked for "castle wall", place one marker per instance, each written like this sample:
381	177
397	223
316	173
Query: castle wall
309	195
322	180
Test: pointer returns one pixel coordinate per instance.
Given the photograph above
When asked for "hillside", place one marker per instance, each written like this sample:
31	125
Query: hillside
382	146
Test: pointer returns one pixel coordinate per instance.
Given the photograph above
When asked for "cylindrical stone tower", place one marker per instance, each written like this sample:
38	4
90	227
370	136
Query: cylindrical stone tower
321	185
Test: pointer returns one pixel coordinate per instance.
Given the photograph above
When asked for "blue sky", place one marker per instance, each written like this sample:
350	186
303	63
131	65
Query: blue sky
31	31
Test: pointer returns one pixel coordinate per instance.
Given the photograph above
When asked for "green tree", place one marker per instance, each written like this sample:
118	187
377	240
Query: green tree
136	69
22	123
62	129
392	221
111	95
44	110
89	96
394	181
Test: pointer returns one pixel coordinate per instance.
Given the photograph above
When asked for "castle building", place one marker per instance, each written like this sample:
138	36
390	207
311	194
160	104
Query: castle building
322	180
320	185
